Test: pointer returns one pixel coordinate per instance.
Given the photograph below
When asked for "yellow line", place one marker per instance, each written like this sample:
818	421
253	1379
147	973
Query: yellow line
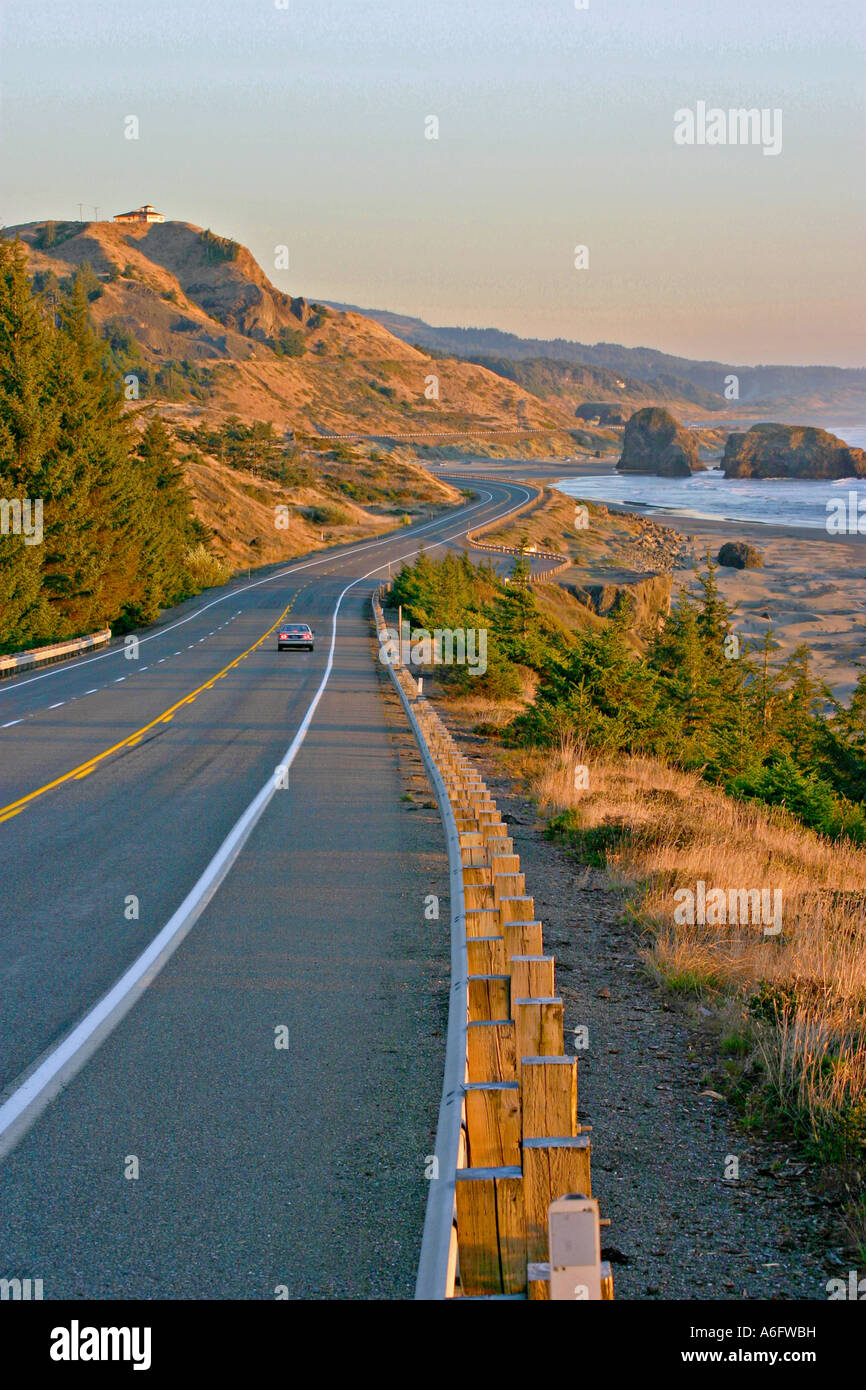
84	769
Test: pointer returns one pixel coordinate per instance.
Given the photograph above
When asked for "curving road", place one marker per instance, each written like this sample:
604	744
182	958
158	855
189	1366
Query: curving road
214	975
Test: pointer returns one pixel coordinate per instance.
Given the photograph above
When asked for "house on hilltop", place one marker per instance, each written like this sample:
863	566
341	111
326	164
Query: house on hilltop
147	213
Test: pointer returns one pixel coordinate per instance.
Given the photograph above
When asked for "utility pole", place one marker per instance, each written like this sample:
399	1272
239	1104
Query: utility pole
96	214
81	212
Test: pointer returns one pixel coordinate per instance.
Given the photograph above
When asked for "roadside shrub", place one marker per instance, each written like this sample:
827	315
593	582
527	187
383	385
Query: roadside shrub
205	570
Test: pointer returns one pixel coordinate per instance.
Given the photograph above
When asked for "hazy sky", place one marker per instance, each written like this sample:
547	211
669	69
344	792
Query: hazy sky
305	125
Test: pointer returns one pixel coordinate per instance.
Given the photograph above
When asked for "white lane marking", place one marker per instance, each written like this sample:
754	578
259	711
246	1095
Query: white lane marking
11	722
57	706
63	669
161	660
49	1076
118	679
93	691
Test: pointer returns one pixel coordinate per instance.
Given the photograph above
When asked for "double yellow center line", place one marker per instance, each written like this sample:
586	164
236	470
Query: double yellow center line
84	770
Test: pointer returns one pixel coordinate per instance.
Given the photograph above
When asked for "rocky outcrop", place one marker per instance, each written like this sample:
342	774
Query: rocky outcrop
605	412
739	555
647	596
655	443
791	451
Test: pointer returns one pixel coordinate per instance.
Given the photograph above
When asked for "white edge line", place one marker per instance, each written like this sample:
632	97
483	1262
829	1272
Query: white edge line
48	1077
432	1274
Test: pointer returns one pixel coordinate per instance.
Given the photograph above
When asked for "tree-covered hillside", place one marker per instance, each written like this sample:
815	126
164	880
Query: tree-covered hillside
117	532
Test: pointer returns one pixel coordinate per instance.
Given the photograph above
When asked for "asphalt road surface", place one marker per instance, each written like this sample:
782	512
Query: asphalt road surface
250	1117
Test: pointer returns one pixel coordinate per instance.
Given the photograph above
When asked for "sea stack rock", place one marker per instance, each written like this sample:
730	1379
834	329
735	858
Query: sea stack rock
655	443
791	451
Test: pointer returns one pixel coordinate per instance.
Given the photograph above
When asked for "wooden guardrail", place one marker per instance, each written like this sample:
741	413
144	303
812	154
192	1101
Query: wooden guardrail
39	656
561	562
520	1146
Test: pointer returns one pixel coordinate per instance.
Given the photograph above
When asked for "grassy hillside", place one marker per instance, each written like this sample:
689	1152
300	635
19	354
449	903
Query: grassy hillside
202	322
264	498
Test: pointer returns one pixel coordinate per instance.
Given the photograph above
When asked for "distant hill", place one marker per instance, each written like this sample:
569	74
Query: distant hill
765	388
553	380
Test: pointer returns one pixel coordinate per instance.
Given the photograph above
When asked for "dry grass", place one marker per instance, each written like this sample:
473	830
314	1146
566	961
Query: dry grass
802	993
483	709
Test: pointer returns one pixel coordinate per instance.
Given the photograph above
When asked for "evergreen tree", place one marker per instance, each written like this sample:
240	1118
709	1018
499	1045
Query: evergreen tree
29	416
163	527
89	474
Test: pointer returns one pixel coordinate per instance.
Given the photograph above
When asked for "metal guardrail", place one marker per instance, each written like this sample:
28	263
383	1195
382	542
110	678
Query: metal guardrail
436	1265
39	656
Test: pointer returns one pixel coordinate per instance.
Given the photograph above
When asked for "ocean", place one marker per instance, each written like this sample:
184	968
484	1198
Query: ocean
710	496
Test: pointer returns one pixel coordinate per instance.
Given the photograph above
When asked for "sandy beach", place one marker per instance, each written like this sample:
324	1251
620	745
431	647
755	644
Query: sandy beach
811	588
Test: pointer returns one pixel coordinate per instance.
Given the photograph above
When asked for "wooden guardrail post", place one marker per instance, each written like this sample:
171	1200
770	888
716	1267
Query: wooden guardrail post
493	1123
489	997
486	955
538	1023
491	1231
522	938
552	1167
532	977
548	1088
491	1051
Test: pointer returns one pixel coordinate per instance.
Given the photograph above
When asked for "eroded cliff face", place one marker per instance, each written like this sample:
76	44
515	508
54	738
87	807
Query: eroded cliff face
654	442
791	451
647	595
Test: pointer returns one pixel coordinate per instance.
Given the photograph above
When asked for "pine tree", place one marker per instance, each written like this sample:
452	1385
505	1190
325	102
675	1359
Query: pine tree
798	710
89	472
163	526
28	427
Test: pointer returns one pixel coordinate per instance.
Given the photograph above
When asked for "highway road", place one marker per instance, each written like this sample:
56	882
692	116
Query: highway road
217	976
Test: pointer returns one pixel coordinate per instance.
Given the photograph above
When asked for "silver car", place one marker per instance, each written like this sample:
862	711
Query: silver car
296	635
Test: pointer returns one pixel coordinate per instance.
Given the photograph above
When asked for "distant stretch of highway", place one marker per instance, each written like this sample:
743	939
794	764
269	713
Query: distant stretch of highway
221	1005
